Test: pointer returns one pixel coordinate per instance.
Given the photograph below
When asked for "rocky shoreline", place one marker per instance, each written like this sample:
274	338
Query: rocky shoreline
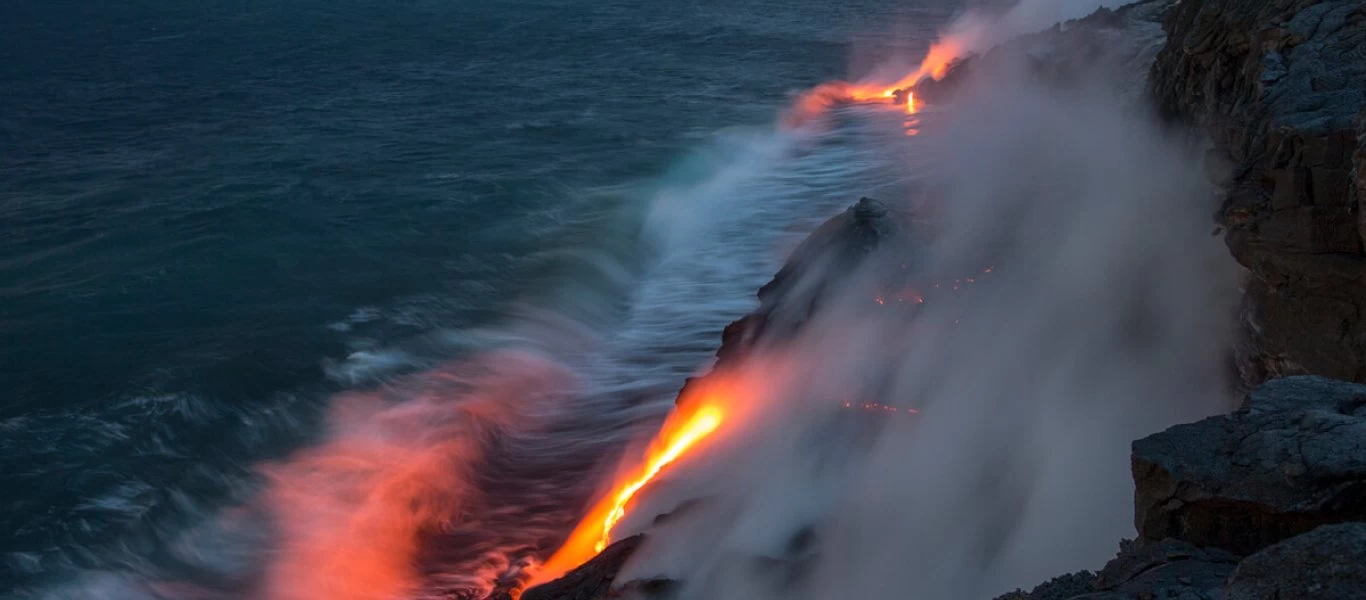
1268	502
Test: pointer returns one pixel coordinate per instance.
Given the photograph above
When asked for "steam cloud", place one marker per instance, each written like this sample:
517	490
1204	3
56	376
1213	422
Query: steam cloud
979	29
354	513
1103	319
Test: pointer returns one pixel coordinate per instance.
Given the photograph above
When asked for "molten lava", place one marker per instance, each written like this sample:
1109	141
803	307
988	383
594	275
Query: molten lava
680	433
705	421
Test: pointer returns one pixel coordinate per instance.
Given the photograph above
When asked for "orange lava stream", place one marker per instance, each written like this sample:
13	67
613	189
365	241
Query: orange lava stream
681	433
705	421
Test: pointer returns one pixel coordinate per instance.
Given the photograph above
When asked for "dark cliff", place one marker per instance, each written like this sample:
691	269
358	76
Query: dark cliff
1265	503
1279	86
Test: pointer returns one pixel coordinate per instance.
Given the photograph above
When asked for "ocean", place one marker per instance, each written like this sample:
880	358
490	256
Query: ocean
282	279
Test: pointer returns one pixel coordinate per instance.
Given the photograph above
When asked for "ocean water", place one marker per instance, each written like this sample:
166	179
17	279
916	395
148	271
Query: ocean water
363	299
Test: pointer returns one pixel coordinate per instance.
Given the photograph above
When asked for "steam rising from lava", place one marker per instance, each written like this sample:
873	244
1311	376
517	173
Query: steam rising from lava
973	32
1104	320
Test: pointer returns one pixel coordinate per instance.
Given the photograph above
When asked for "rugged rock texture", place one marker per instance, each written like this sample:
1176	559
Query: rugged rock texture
591	581
1328	563
1278	86
1166	569
1282	480
797	291
1293	458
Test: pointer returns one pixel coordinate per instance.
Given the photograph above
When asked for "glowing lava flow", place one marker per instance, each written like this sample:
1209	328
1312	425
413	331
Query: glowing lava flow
705	421
680	433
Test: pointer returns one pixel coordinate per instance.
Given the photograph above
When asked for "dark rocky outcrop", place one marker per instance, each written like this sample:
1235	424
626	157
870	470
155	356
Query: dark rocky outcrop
1279	487
1165	569
1279	86
591	581
1293	458
1328	563
1266	503
813	271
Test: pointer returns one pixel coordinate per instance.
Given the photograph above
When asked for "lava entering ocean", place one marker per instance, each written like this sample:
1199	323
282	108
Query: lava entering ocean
686	427
680	433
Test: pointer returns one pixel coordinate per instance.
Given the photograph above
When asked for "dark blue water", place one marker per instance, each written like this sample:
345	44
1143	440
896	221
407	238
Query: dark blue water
222	220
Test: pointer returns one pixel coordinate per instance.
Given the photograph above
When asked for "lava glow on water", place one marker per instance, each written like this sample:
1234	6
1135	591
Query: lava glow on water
680	434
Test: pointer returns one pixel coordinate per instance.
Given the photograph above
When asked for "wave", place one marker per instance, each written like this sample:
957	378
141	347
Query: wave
452	475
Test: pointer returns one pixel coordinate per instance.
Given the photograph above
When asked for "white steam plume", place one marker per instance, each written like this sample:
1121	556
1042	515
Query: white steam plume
1103	319
978	30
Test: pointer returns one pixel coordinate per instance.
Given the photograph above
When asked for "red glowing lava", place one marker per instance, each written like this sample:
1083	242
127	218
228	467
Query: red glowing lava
680	433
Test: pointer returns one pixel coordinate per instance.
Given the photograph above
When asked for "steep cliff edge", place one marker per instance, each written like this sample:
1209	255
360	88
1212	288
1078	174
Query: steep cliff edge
1266	503
1279	86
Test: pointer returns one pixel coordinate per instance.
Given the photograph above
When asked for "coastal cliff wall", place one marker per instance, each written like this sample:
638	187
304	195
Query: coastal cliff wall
1268	502
1279	88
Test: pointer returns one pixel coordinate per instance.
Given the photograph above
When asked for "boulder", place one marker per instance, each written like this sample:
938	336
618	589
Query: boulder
1291	459
1328	563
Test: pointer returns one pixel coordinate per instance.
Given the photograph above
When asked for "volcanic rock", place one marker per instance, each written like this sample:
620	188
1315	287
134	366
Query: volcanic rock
1279	86
1165	569
1293	458
1328	563
813	271
592	580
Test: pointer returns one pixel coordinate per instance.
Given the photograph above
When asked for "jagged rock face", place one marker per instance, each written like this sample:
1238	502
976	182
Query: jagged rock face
591	581
1328	563
1282	480
1293	458
1165	569
1278	86
811	273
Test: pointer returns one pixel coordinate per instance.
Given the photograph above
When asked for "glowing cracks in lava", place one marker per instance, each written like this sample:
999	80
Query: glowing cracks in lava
700	425
873	406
